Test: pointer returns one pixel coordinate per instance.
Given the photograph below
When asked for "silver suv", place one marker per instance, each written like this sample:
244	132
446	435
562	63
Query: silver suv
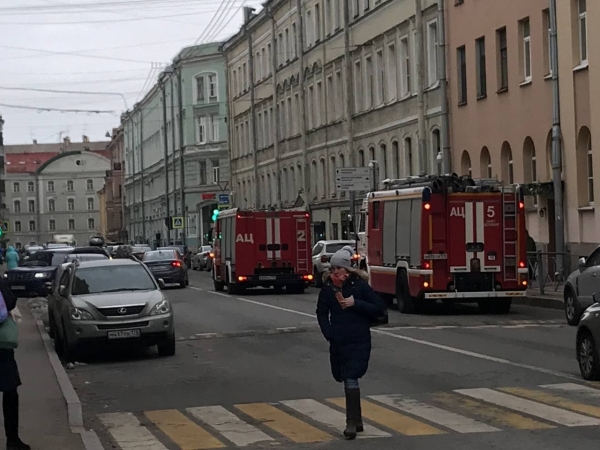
109	302
581	286
322	253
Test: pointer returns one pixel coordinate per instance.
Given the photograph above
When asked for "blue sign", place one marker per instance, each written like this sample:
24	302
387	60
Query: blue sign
224	199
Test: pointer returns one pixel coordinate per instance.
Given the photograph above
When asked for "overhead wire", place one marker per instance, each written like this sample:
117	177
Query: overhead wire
110	58
45	108
212	19
218	19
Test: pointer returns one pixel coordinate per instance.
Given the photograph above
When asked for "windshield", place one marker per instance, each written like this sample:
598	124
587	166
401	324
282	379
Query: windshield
85	257
96	280
160	255
139	249
332	248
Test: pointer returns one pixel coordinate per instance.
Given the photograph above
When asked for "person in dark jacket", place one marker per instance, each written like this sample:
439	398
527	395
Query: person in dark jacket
9	382
346	309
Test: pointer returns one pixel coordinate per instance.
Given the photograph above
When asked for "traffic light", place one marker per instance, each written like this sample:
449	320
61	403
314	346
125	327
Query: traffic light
215	215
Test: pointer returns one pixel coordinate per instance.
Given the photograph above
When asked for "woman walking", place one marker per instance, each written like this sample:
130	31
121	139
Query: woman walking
346	310
9	382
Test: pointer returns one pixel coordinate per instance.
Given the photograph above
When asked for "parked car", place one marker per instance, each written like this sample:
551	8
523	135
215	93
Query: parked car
109	302
167	265
322	253
202	259
588	337
580	287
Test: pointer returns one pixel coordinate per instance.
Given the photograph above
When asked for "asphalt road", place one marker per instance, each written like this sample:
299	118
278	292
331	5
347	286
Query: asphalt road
252	371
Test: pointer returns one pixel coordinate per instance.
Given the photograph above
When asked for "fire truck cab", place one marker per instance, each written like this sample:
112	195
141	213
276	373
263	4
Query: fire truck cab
262	249
447	238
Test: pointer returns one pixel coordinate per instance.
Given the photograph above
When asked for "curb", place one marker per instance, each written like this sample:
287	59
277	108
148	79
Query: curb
539	302
75	415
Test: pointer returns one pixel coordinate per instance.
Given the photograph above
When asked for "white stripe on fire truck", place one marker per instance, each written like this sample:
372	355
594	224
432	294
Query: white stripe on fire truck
269	225
278	237
480	223
469	232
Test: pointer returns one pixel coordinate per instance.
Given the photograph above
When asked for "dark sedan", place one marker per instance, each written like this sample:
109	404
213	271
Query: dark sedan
167	265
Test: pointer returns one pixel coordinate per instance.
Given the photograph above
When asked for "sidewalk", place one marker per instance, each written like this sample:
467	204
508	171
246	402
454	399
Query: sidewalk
44	418
551	299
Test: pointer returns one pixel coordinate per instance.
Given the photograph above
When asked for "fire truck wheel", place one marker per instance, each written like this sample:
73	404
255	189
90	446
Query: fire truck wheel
406	302
219	285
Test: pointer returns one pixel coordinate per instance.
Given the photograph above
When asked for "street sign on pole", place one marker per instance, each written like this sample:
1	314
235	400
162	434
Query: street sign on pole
177	223
224	199
353	179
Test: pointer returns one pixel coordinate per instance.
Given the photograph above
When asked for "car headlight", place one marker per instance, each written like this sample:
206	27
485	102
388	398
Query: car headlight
4	275
162	307
80	314
42	275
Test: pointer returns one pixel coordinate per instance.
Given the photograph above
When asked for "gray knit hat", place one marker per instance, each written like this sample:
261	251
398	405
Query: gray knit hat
343	257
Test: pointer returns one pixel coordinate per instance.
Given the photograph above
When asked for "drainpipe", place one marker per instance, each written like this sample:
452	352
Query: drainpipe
442	76
172	153
349	105
278	202
559	220
166	156
38	207
423	169
253	140
303	119
143	181
181	165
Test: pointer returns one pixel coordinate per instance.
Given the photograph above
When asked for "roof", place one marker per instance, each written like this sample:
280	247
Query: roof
31	162
108	262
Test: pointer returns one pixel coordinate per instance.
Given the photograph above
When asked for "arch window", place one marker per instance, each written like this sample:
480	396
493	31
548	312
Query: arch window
290	183
408	152
361	158
91	223
529	164
436	143
465	164
485	163
585	171
314	177
284	186
506	158
384	160
397	160
323	178
332	167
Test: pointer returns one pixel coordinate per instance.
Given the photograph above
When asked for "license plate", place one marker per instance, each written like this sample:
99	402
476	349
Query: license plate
431	256
267	277
124	334
18	288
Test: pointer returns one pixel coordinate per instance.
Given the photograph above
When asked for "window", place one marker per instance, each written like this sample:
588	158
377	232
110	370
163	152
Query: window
397	160
71	204
200	89
294	42
357	87
30	186
214	128
525	30
405	79
380	81
201	130
318	103
215	170
366	5
234	83
369	83
502	59
432	58
583	35
338	101
16	187
384	161
331	94
90	204
286	44
317	23
51	205
279	46
50	186
461	64
376	208
17	206
481	70
212	88
31	206
268	60
244	75
71	224
51	225
408	155
91	223
332	165
436	143
337	9
590	172
547	42
70	185
90	185
202	172
392	67
361	158
32	225
328	21
309	28
311	111
18	226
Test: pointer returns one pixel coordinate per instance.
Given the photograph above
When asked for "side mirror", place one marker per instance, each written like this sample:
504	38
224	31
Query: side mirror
161	283
596	297
581	264
62	290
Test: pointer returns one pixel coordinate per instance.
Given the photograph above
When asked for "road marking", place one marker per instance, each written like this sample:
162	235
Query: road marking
229	425
554	400
532	408
433	414
129	433
283	423
489	412
390	419
195	288
182	431
329	416
573	388
254	302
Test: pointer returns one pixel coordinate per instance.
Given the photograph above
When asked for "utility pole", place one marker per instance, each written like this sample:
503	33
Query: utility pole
273	63
442	76
559	220
131	138
143	181
423	169
181	153
172	153
166	156
349	106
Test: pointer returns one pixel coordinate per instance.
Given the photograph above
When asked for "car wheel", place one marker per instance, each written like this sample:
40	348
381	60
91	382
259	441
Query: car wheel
406	302
69	352
167	347
51	326
573	310
587	356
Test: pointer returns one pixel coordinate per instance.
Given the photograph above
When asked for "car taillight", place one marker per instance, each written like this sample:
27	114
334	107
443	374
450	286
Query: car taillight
324	259
212	255
176	264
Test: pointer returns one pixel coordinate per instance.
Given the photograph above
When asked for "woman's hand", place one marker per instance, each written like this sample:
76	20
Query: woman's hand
344	302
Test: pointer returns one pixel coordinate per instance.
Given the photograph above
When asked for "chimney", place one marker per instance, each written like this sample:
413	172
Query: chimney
67	140
35	142
248	14
85	138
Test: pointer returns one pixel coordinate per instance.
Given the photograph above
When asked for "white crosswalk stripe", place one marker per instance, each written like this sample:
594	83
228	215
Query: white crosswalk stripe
573	388
129	433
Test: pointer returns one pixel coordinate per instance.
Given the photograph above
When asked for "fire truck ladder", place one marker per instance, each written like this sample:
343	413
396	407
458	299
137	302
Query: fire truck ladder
509	233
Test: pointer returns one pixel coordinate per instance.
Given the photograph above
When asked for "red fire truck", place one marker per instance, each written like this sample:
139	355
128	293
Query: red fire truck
447	238
262	249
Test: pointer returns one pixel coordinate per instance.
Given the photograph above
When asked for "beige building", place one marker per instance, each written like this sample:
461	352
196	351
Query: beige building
500	84
290	95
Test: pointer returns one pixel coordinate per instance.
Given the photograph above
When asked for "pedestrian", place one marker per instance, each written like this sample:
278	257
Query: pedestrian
12	258
346	310
9	382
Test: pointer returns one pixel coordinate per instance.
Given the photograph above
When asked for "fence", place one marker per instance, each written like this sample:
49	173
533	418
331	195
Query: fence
545	272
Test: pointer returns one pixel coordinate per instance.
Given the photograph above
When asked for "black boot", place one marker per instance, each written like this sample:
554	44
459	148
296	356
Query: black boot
10	407
353	413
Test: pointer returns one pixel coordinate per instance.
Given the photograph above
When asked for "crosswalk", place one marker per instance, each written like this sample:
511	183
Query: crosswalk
312	421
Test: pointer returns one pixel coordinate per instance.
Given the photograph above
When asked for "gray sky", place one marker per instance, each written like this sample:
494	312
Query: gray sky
94	45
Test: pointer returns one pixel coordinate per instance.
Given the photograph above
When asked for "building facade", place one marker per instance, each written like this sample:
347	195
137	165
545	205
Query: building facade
50	193
112	192
176	151
313	88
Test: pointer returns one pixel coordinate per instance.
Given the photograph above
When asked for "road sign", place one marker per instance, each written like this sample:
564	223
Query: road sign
353	179
4	226
223	207
224	199
177	223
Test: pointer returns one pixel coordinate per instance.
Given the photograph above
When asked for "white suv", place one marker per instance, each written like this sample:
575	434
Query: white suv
321	254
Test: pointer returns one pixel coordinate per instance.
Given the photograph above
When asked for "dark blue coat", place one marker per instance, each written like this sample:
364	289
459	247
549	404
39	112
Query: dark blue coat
9	372
349	330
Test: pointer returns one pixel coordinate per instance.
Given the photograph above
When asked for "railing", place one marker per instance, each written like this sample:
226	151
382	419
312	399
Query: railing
545	270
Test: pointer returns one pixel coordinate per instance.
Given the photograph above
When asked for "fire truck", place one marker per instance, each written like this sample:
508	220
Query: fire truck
262	249
447	238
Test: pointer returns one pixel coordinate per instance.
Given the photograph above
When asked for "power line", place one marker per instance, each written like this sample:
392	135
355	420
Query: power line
213	20
11	47
42	108
219	26
87	6
58	91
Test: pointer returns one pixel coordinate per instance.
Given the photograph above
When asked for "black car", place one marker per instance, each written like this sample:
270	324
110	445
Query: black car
168	265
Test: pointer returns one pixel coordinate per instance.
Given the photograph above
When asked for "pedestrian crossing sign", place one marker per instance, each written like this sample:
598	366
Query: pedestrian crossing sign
177	223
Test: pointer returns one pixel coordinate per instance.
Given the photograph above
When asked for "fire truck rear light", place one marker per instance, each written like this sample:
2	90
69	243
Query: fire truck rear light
308	277
425	284
212	255
521	205
521	264
524	282
427	206
426	265
306	215
242	278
